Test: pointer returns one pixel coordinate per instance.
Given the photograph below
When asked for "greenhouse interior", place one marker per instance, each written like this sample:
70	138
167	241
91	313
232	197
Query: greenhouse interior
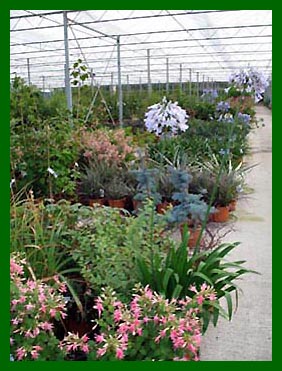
140	185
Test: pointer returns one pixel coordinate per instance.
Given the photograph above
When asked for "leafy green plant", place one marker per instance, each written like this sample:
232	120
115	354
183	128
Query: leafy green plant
174	275
38	231
104	244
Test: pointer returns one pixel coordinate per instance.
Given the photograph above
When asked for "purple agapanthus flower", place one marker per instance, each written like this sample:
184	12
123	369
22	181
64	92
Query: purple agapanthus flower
223	107
244	118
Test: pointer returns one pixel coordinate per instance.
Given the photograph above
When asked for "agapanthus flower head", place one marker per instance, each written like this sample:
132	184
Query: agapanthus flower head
166	117
251	81
244	118
223	107
209	95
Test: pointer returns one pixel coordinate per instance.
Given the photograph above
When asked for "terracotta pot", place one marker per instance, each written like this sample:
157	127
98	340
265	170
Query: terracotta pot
232	205
96	202
163	206
120	204
221	215
194	233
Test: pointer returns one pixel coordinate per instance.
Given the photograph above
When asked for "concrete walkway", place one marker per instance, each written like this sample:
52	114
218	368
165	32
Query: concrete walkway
248	337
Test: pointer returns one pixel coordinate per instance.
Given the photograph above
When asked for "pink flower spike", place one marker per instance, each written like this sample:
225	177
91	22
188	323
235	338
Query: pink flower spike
85	338
204	286
99	338
200	299
119	353
52	312
85	348
193	288
101	351
212	296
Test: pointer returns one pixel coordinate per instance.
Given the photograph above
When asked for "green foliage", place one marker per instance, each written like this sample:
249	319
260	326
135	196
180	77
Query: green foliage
104	244
174	275
38	232
53	146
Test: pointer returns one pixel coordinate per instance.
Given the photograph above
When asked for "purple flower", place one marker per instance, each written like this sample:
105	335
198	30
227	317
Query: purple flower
223	107
244	118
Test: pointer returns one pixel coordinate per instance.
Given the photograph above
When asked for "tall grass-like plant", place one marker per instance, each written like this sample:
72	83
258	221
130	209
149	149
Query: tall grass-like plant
174	275
38	231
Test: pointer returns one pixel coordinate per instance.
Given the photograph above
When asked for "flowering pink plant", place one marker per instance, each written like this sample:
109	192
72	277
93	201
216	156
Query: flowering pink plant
150	327
112	146
34	307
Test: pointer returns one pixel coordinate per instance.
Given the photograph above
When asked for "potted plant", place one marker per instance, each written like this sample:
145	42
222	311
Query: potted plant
147	186
165	188
92	180
191	208
117	188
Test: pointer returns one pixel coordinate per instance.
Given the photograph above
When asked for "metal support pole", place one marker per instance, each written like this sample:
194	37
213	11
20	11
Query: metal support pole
112	83
120	108
149	72
198	84
92	81
167	76
208	83
180	78
190	82
203	85
43	84
67	64
28	72
140	84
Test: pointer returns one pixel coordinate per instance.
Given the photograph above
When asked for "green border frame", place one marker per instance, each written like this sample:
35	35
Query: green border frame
4	135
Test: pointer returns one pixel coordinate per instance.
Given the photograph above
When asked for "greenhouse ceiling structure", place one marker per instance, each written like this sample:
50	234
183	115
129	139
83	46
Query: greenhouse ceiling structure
138	46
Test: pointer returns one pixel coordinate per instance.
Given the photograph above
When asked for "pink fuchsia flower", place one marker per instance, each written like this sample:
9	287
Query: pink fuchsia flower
204	287
31	284
63	287
119	353
22	299
156	319
193	288
99	306
52	312
118	304
21	353
117	315
146	319
101	351
41	297
29	306
15	268
200	299
85	338
148	293
46	326
139	331
212	296
35	349
99	338
15	321
85	348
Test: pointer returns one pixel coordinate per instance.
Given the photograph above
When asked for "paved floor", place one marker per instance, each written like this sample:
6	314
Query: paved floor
248	337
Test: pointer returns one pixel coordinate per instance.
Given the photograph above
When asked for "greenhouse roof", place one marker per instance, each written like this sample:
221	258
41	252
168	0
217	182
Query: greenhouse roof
176	44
